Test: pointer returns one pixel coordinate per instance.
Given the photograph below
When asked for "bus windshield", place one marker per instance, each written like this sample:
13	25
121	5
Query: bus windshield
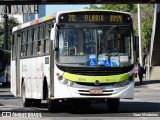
104	47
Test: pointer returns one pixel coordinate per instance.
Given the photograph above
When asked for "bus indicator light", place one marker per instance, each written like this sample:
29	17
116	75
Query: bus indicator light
36	21
57	74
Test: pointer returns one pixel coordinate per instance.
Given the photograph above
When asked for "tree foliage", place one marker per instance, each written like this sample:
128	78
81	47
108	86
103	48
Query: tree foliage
147	11
12	22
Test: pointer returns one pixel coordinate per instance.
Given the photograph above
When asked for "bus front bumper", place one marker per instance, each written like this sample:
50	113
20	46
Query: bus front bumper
126	92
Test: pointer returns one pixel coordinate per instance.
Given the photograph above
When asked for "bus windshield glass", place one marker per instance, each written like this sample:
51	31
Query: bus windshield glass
102	47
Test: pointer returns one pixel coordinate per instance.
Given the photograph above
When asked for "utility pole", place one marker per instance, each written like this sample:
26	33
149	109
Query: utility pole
5	28
139	34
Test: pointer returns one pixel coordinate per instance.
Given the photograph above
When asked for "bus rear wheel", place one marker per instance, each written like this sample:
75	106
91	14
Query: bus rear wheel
113	105
26	101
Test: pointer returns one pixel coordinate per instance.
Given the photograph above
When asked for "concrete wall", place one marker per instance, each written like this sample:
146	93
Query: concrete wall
155	73
155	39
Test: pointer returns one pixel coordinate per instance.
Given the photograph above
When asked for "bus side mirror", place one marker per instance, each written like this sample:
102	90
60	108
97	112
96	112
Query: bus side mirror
53	34
53	37
136	43
136	47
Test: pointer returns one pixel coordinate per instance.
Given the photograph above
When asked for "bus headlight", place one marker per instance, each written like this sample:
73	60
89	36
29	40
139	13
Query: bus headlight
60	78
124	83
67	82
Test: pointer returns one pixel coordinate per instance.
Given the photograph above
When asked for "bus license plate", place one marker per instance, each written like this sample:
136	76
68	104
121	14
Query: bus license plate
96	91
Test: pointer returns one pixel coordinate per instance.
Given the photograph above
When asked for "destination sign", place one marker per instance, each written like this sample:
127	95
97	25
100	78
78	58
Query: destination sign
99	17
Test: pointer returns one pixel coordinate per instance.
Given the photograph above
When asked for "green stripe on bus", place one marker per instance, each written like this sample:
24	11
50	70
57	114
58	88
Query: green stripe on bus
92	79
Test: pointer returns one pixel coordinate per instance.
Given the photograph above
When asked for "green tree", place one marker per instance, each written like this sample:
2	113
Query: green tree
12	22
147	22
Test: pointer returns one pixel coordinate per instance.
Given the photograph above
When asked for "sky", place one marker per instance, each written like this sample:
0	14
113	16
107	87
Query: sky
50	9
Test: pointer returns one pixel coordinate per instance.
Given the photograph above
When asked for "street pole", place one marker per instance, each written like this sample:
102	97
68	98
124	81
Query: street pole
5	29
139	33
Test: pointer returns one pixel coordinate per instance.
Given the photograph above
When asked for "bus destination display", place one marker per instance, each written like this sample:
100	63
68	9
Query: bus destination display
93	18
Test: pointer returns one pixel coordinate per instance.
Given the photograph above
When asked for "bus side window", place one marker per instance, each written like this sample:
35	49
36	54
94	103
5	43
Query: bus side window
35	34
24	37
34	47
23	44
46	46
14	46
40	33
39	48
23	50
47	30
29	49
32	39
44	29
46	41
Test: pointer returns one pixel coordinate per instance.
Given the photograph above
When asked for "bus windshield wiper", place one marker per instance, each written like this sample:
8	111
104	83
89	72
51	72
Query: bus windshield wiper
108	33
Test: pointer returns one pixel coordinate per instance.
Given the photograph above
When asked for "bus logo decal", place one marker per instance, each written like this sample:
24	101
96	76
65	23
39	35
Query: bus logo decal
97	82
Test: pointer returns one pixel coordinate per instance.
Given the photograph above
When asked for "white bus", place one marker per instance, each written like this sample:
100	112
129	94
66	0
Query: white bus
74	56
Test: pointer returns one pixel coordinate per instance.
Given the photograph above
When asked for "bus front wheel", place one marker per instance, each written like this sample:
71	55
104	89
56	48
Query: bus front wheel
54	105
51	105
26	102
113	105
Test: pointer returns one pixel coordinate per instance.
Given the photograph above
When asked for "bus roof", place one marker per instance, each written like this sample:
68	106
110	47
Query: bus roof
52	16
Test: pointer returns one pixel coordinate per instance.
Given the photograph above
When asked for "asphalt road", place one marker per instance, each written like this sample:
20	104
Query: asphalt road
146	104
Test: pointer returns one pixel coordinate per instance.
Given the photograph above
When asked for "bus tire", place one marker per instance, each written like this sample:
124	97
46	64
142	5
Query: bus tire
45	89
36	103
26	101
113	105
51	105
4	84
54	106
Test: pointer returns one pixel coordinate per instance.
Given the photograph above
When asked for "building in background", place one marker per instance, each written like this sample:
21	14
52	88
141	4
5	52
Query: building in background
23	18
19	17
31	17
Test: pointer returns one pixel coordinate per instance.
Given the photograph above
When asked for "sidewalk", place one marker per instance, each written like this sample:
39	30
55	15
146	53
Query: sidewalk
155	84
